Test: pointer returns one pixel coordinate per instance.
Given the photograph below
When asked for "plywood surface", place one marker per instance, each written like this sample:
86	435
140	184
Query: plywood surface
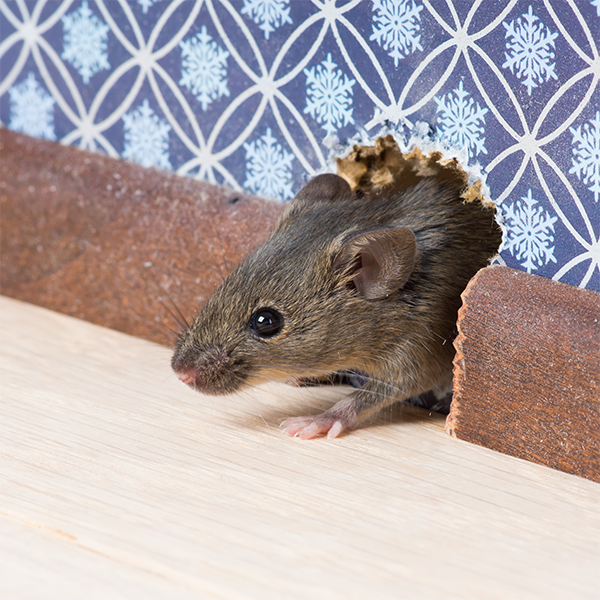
118	482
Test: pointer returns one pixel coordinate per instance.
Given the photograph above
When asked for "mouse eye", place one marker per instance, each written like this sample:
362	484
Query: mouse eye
266	322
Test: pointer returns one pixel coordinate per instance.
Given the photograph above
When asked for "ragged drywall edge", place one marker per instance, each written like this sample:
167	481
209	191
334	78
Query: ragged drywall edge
459	373
422	146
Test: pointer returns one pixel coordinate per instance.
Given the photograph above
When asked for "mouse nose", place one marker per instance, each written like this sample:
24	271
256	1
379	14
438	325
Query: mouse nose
184	368
188	376
210	371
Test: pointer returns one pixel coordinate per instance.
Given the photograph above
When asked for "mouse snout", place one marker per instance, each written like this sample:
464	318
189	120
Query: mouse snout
188	376
212	371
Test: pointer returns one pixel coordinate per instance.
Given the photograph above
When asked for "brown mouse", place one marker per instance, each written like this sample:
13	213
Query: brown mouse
354	284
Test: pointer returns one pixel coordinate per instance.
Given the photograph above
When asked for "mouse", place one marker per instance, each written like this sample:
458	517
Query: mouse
357	286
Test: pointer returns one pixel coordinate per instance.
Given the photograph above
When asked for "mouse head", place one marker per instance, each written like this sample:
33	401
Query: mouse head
312	301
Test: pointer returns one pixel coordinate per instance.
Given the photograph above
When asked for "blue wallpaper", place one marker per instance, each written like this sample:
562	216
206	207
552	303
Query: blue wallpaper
255	94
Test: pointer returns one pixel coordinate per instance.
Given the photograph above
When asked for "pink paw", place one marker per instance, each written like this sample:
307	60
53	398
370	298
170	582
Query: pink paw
307	428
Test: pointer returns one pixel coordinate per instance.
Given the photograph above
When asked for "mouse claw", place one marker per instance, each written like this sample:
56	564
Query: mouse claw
335	430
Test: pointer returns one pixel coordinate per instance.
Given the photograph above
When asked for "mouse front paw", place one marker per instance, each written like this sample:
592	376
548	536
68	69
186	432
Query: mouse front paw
307	428
339	418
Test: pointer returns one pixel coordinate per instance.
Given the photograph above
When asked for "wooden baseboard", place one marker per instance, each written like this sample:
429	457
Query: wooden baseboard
111	242
527	370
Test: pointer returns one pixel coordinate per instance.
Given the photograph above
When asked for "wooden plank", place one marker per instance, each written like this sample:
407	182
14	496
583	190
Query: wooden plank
38	562
527	370
118	481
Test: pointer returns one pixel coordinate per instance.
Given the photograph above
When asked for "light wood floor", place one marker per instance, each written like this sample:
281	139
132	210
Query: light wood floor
119	482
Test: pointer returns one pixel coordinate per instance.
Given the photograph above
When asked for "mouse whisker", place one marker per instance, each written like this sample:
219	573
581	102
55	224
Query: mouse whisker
170	330
179	317
183	326
223	259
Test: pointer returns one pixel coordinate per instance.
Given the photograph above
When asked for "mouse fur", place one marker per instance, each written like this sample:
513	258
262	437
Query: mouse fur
365	283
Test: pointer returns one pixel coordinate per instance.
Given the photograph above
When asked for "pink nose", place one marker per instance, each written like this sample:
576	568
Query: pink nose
187	376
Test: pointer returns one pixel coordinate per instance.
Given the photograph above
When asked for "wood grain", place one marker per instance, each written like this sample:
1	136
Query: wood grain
527	370
119	482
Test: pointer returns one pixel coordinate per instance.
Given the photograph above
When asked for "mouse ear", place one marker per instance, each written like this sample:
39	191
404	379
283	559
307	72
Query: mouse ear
378	262
325	187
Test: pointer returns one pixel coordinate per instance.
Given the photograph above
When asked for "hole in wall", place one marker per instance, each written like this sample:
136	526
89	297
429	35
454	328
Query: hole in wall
368	168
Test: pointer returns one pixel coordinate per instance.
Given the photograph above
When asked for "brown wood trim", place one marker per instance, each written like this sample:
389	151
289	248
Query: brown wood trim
110	242
527	370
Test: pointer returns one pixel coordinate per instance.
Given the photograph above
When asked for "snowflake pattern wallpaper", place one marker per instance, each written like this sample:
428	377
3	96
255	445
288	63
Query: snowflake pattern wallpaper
254	94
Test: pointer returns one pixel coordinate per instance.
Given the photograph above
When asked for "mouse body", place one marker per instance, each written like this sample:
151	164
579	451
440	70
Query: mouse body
356	284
